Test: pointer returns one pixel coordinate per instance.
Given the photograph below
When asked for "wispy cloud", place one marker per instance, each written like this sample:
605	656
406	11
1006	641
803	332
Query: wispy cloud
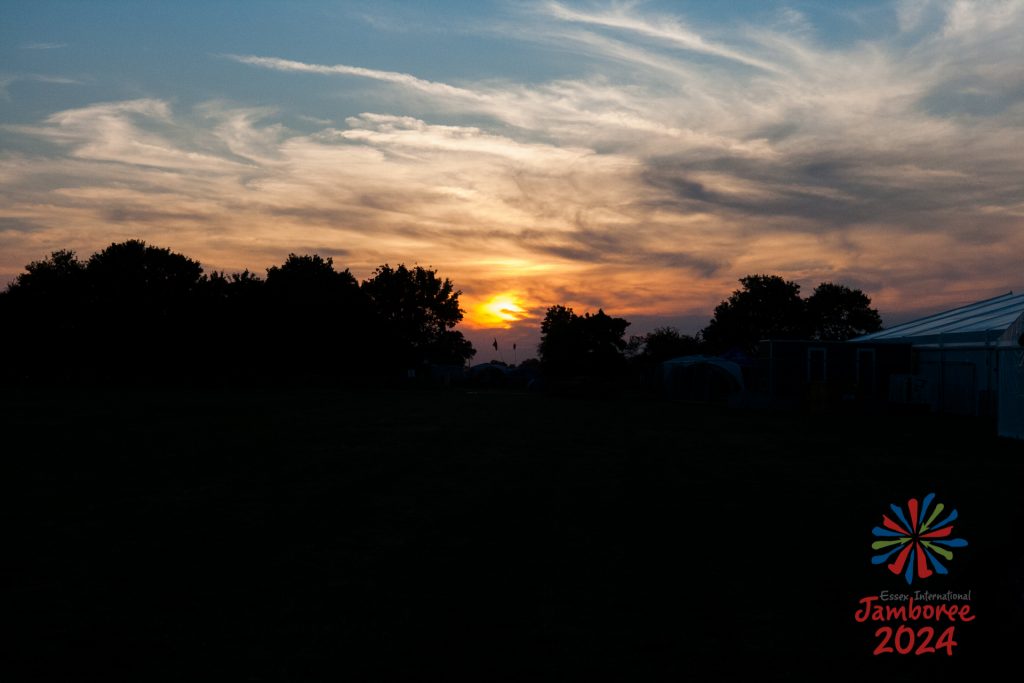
43	46
7	81
669	30
404	79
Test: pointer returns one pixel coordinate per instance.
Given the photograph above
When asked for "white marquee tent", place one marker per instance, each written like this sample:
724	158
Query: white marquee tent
970	360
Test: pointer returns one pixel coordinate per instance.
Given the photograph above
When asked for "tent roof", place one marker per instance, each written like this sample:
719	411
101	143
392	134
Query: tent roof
715	361
980	320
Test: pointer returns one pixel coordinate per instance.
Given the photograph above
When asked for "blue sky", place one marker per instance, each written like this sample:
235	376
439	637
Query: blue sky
119	50
638	156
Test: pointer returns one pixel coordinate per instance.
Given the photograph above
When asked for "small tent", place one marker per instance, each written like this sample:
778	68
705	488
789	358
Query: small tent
702	378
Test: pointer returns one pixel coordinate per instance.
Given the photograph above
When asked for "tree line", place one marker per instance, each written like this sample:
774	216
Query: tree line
764	307
137	312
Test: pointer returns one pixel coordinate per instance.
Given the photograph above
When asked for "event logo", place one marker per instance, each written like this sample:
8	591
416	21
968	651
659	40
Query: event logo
916	540
915	621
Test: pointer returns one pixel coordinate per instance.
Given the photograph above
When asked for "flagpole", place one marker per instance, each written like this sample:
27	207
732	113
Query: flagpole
501	356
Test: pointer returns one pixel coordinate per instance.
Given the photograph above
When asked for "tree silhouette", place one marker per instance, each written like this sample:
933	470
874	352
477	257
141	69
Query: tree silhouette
143	311
134	272
49	295
663	344
317	319
561	345
450	348
414	312
226	292
310	278
233	314
56	277
44	319
838	313
585	344
767	307
135	312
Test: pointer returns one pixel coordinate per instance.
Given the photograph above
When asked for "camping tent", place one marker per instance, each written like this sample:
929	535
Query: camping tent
701	378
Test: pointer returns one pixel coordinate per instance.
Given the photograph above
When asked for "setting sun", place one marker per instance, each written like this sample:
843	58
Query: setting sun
500	310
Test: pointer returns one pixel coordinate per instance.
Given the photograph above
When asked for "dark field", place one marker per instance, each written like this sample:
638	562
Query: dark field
435	535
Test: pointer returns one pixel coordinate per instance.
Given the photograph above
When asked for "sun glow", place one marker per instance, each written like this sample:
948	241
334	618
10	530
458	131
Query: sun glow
500	310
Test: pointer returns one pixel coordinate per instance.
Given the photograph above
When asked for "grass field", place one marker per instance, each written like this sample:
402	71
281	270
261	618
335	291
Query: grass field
434	535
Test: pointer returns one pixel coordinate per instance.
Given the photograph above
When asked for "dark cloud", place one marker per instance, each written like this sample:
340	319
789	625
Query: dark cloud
830	193
669	259
569	253
148	215
19	225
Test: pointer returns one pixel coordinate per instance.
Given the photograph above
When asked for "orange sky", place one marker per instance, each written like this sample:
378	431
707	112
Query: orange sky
644	164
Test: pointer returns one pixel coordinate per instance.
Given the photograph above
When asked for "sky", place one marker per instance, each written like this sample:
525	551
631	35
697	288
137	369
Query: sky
635	156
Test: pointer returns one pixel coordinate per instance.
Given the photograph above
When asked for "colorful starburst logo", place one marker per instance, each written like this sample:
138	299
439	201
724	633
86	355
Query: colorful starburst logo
917	543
